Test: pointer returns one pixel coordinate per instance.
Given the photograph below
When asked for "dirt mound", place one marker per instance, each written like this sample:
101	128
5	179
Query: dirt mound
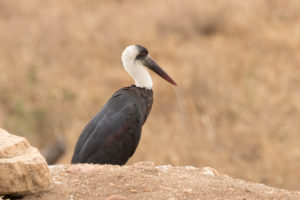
146	181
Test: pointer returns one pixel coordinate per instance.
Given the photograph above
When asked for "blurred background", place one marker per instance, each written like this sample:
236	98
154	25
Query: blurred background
237	65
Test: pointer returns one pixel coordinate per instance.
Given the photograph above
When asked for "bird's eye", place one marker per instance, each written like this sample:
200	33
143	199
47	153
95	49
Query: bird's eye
143	54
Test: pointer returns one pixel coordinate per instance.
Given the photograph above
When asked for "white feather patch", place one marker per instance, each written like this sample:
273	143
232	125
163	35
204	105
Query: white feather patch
135	68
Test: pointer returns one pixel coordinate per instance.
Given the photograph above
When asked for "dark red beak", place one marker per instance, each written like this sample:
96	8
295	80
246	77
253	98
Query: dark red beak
151	64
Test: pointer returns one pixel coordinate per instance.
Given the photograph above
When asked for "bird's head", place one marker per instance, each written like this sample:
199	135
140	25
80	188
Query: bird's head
135	59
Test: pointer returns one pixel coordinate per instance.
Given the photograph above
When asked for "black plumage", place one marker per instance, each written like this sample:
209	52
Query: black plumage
112	136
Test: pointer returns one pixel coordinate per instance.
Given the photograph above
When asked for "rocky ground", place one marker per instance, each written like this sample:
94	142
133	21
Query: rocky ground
147	181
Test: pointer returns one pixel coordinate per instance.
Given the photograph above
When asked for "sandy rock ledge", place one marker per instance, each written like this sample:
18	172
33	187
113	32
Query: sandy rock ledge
23	170
146	181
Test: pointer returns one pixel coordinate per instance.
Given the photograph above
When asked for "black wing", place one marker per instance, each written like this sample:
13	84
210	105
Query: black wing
112	136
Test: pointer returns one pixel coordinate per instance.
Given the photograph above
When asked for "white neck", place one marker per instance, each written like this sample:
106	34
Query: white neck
140	75
137	71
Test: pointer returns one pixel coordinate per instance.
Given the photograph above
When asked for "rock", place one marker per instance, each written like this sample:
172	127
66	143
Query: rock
209	171
23	169
116	197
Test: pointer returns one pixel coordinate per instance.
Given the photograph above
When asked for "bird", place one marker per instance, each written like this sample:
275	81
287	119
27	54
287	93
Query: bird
113	134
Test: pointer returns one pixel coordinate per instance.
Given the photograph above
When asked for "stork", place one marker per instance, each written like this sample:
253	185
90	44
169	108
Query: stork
112	136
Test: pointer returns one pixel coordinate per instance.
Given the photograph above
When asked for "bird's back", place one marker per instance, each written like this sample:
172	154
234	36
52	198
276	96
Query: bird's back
112	136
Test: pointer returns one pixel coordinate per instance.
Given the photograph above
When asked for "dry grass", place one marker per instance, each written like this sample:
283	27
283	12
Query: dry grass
237	106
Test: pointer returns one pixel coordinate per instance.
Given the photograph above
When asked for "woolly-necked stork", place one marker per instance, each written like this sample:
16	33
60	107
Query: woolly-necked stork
112	136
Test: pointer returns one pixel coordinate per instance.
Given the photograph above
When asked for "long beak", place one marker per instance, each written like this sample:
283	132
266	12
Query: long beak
151	64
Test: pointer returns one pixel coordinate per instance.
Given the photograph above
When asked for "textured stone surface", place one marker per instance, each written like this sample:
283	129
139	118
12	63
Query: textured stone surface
23	170
146	181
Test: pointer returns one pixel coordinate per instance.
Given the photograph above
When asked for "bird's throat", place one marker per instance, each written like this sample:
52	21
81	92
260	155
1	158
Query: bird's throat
140	75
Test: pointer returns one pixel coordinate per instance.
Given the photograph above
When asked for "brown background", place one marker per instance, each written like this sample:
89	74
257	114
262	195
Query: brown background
237	65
